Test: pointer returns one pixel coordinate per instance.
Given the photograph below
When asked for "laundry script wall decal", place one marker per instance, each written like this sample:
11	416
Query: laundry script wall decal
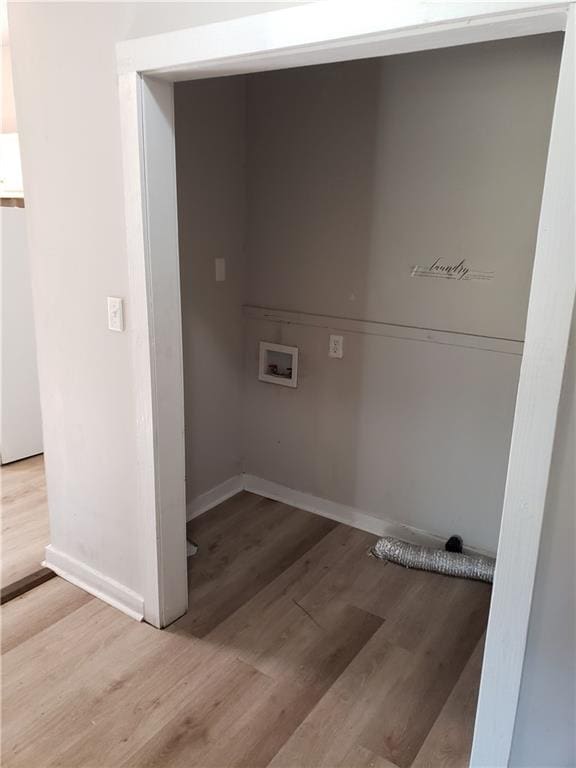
448	271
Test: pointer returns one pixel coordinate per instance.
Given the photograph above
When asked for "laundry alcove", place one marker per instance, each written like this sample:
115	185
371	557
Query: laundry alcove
394	202
245	557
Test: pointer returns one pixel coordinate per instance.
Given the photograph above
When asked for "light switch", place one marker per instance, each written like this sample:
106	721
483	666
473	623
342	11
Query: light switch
336	346
115	313
220	270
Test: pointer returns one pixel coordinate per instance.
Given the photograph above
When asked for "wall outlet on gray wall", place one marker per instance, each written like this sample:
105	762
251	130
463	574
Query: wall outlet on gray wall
336	346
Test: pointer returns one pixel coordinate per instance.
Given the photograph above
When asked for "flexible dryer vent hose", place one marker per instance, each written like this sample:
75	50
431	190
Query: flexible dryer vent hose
427	559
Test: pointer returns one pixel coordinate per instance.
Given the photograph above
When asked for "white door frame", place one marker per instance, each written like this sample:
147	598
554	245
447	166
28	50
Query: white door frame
312	34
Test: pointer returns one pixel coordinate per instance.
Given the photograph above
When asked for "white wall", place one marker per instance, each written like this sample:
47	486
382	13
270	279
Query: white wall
545	732
8	114
20	417
68	117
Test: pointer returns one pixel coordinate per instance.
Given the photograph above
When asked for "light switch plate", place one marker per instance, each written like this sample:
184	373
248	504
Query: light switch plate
220	270
115	313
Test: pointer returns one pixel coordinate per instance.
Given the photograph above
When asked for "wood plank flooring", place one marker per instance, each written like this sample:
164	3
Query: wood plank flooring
24	510
299	650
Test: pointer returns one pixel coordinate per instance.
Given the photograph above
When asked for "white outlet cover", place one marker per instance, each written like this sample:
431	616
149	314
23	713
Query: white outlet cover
336	346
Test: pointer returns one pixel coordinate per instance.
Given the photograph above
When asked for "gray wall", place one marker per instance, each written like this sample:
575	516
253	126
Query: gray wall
408	431
210	151
361	170
545	731
353	174
356	173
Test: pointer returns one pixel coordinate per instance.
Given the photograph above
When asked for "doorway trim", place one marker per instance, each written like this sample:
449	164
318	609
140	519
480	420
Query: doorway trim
312	34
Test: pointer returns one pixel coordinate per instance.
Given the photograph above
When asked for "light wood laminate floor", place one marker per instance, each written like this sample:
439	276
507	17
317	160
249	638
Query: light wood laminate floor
24	510
298	650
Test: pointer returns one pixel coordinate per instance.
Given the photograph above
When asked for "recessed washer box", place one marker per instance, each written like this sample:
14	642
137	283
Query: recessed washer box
278	364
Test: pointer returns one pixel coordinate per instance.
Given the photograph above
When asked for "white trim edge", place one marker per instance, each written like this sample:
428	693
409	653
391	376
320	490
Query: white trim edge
548	322
214	496
89	579
319	32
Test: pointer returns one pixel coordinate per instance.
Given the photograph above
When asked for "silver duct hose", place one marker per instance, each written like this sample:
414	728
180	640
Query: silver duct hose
427	559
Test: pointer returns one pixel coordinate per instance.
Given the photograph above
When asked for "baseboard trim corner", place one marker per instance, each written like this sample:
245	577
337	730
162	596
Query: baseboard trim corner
214	496
333	510
98	584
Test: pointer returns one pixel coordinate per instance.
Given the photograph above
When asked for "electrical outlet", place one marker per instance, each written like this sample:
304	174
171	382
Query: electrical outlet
115	313
336	346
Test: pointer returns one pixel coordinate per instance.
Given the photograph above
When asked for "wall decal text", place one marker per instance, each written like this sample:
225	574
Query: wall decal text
448	271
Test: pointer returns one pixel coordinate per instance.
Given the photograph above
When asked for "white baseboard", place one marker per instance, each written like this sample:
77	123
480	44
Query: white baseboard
94	582
319	506
214	496
339	512
345	514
